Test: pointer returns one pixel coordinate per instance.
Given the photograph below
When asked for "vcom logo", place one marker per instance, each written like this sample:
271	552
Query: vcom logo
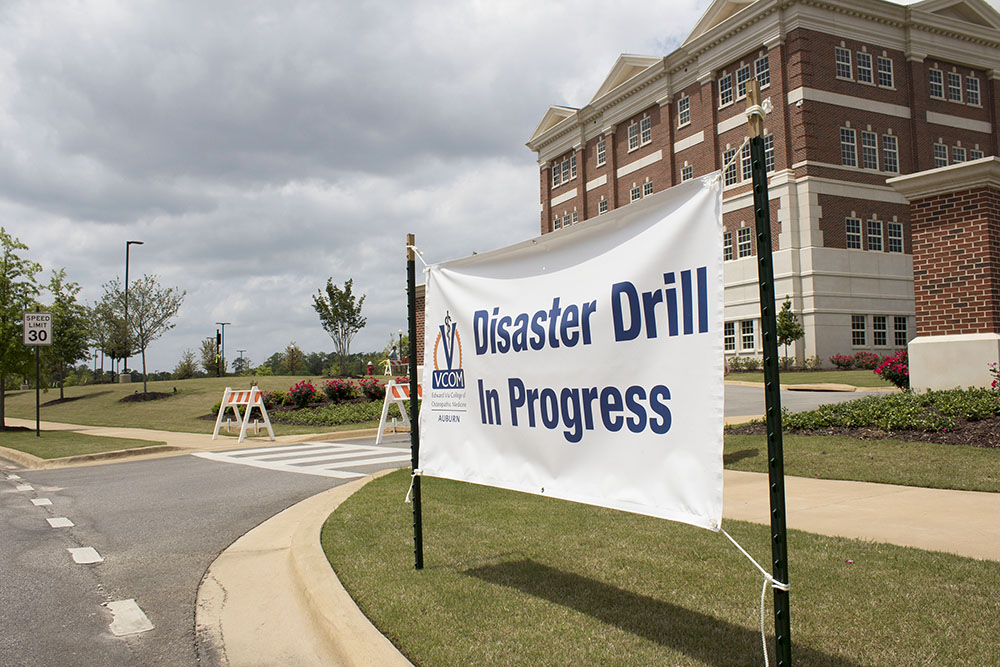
449	343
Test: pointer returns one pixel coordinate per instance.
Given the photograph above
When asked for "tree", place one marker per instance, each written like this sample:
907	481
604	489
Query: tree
295	360
151	309
18	290
186	367
242	366
340	315
788	328
71	328
210	356
109	330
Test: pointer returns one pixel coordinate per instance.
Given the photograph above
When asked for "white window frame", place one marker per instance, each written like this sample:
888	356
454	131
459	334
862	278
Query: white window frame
687	172
565	171
727	246
556	175
972	91
873	234
746	166
955	87
683	111
732	174
869	150
633	137
748	337
886	78
880	330
769	164
957	154
762	71
975	154
729	337
744	242
852	228
602	152
556	223
635	194
940	155
842	60
726	90
572	167
602	207
859	330
645	130
647	188
866	69
890	153
742	77
935	80
895	237
897	330
576	217
848	147
567	220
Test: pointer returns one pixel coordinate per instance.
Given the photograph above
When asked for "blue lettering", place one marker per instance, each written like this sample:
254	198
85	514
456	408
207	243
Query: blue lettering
628	291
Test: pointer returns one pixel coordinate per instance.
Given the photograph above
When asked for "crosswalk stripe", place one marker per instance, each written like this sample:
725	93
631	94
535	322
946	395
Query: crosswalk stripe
325	459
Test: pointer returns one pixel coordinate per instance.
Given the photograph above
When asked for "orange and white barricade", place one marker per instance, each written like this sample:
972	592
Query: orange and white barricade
396	393
249	399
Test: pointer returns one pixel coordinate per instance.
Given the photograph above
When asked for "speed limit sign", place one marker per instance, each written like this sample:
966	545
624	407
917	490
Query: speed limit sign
38	328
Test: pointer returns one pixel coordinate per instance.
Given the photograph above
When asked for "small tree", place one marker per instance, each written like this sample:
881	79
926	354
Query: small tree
340	314
186	367
17	293
789	329
71	327
242	366
108	327
295	360
210	356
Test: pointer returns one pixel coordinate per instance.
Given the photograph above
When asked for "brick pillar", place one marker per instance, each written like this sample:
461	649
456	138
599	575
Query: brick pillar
955	221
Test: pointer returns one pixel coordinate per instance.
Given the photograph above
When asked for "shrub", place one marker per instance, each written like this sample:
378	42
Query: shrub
302	394
842	362
335	414
814	363
786	363
752	363
895	370
868	361
995	372
372	388
338	390
271	399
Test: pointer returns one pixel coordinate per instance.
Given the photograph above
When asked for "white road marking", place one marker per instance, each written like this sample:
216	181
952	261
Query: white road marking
60	522
85	555
129	619
40	502
25	487
13	477
326	459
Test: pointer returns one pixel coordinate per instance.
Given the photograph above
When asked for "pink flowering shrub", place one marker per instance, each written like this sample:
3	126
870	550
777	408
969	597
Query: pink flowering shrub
896	370
302	394
842	362
372	388
339	390
272	399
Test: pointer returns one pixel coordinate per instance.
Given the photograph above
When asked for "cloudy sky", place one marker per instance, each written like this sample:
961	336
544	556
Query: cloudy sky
258	148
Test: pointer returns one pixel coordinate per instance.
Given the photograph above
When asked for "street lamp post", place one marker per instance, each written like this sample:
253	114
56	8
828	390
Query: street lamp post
222	358
128	345
241	359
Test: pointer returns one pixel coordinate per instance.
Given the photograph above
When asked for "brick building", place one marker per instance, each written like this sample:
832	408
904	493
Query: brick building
863	91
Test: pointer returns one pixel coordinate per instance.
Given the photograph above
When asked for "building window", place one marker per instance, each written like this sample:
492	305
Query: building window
762	68
566	220
843	57
936	78
857	330
972	90
742	76
885	78
572	167
729	336
556	175
602	152
683	111
687	173
954	87
875	235
890	153
602	207
899	331
746	166
746	335
957	154
865	74
769	153
869	150
743	242
727	246
940	155
635	193
633	136
848	147
565	170
576	217
647	188
895	236
975	154
646	130
854	233
880	337
732	176
556	223
726	90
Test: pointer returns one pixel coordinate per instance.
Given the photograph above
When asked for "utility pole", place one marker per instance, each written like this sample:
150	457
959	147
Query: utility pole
222	340
128	336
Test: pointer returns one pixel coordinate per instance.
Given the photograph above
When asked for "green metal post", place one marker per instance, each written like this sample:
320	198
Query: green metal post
772	391
411	298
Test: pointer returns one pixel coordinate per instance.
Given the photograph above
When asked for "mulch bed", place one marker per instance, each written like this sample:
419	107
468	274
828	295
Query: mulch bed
15	429
139	397
983	433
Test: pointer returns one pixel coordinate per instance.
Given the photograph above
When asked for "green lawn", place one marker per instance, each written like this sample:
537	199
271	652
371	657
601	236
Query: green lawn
97	405
515	579
57	444
854	378
885	461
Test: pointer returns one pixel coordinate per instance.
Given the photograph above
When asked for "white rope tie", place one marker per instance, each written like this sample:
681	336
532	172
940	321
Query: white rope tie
417	252
735	156
768	579
760	110
413	476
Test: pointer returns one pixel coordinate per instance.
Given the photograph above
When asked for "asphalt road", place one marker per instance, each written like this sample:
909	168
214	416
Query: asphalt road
158	525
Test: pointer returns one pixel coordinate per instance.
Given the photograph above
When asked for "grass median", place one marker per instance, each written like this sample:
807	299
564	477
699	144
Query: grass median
858	378
57	444
512	578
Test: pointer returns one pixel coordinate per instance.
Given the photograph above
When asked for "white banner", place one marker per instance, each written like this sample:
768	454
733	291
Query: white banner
586	364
